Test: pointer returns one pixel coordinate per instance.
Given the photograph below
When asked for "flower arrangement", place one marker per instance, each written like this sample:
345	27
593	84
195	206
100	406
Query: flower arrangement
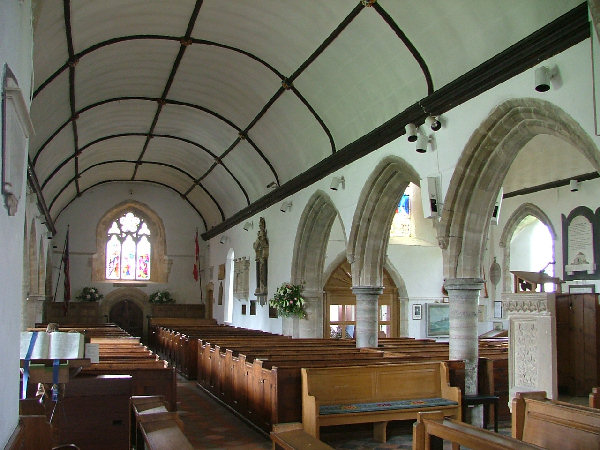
288	301
161	297
89	294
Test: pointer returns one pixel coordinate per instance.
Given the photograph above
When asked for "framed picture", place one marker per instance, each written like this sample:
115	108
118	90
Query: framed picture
417	311
498	326
438	319
582	289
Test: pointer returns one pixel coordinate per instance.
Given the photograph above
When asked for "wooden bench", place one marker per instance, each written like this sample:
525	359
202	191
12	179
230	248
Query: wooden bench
375	394
595	398
431	428
291	436
554	425
163	430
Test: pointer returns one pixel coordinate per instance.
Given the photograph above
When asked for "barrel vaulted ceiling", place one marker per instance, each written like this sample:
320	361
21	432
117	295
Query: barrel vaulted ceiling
217	99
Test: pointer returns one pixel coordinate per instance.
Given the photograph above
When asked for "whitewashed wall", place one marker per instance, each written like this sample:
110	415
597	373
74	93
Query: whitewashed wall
15	50
82	216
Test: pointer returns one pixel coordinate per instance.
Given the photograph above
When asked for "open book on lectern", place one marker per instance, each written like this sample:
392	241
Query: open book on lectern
56	345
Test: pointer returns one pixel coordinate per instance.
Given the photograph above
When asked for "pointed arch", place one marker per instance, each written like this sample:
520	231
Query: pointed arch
370	232
159	262
32	255
310	245
523	211
482	168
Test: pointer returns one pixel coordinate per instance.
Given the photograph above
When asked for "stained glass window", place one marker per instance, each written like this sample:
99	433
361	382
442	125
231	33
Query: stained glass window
128	249
402	224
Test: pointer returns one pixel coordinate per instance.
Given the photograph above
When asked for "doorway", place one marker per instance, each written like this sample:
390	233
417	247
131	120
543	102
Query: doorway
340	305
128	315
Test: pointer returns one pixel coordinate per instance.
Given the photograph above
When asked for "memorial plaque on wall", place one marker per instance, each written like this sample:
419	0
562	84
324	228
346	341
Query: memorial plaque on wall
580	242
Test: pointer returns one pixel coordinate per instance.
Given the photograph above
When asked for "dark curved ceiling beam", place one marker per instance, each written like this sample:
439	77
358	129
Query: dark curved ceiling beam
116	136
409	45
137	181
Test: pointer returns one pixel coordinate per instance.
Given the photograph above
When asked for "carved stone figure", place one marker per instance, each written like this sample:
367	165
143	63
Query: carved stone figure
261	249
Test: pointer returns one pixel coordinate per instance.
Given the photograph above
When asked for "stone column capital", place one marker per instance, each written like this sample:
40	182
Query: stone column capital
367	290
466	284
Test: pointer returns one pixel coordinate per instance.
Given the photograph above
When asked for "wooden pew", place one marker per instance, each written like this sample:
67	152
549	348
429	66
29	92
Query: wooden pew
163	431
375	394
431	428
554	425
595	398
291	436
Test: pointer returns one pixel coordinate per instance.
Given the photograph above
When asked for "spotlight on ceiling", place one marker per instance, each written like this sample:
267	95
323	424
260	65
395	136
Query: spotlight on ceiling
543	75
433	122
248	226
411	132
285	207
223	239
574	185
336	182
272	185
422	143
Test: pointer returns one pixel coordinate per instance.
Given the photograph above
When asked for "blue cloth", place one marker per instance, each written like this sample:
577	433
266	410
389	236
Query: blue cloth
385	406
26	364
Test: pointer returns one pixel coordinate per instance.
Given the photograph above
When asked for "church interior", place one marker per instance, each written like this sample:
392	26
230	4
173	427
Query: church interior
317	214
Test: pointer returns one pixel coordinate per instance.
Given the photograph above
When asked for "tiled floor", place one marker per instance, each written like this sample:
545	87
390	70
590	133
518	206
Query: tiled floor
208	424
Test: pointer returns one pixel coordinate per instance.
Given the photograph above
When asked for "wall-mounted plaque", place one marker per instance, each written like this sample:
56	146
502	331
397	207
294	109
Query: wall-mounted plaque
580	254
241	278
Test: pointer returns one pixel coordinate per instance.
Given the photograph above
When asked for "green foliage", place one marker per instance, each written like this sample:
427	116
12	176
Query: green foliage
288	301
161	297
89	294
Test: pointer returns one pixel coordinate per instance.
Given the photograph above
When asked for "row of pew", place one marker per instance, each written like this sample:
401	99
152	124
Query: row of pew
257	373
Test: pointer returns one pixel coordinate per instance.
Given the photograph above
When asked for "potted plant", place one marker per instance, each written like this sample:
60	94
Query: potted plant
288	301
163	296
89	294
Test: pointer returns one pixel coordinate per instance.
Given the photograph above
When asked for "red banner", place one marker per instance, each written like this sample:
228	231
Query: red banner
67	293
196	258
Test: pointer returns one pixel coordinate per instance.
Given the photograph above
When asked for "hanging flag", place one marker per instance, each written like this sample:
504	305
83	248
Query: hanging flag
67	293
196	258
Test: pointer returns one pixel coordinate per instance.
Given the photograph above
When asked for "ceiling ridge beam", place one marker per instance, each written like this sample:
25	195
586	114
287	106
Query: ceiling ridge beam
555	37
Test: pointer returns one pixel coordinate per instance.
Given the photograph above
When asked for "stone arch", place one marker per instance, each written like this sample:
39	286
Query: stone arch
159	262
308	260
310	245
137	296
482	168
526	209
372	220
32	255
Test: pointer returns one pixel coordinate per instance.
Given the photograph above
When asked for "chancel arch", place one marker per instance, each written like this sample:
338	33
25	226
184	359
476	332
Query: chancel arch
513	222
308	260
159	263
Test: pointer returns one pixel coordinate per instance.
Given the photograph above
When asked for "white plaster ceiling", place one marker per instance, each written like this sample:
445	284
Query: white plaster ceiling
191	94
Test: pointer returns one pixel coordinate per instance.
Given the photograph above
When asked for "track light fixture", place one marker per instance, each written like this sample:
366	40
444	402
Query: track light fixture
285	207
422	143
248	226
411	132
574	185
223	239
543	75
272	185
433	122
336	182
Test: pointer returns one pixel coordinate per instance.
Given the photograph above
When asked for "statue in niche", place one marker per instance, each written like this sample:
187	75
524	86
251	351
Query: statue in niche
261	248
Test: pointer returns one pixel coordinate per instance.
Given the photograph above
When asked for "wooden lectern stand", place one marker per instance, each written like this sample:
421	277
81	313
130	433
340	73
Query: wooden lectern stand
529	281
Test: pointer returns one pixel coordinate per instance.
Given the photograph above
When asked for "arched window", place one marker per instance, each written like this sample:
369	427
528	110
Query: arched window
130	246
128	249
403	223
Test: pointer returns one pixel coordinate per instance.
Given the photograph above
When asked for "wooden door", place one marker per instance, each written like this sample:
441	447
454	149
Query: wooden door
128	316
340	305
578	343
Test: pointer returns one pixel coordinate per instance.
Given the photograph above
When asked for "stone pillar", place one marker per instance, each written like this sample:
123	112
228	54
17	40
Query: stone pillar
312	326
463	296
34	310
367	317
